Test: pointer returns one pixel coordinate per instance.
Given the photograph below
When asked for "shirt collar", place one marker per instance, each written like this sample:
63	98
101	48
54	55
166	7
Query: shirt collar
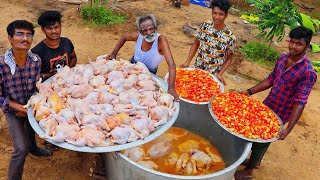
9	59
299	61
225	26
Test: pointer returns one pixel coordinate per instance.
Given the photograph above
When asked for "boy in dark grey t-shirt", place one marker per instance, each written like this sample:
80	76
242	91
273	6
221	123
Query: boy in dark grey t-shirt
55	51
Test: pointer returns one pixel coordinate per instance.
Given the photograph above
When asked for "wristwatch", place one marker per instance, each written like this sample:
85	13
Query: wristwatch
249	91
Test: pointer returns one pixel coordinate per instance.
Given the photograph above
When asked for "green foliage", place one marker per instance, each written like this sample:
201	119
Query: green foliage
315	47
98	1
316	65
314	25
250	18
260	53
273	16
99	15
308	22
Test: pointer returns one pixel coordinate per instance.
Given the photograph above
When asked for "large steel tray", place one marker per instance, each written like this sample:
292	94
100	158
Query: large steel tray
159	130
193	102
258	140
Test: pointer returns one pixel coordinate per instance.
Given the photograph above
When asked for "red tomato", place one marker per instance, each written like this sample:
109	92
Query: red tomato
245	115
196	85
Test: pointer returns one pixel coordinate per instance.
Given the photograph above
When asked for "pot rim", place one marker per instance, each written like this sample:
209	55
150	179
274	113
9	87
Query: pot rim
233	166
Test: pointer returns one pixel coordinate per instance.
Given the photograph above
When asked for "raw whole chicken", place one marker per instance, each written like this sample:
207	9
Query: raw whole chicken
45	87
68	115
64	131
96	120
165	100
105	100
124	134
117	86
160	114
143	125
80	91
114	75
97	81
48	125
147	85
42	111
91	136
55	103
148	98
106	97
118	120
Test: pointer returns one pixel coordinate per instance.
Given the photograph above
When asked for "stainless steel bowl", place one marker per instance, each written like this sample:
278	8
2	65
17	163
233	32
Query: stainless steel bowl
160	130
259	140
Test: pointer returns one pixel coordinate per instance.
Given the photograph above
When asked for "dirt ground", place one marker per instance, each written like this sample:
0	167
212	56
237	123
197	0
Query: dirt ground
295	158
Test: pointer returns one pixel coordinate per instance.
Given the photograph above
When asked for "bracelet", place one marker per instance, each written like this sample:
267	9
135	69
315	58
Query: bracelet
249	91
43	76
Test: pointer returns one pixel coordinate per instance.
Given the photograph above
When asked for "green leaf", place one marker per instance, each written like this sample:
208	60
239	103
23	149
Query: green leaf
316	63
315	47
317	68
307	22
316	22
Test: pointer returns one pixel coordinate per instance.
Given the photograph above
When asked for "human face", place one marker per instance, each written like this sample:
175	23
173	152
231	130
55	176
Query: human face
297	46
148	30
218	17
52	32
21	39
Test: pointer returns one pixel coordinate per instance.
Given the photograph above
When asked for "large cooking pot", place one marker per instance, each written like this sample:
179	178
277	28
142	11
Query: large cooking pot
197	119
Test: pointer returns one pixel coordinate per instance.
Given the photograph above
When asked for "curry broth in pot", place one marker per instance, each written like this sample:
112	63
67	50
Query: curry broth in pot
178	152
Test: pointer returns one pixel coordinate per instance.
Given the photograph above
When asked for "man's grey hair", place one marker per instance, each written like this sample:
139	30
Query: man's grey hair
145	17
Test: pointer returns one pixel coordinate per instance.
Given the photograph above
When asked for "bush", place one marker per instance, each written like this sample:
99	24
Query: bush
316	65
260	53
99	15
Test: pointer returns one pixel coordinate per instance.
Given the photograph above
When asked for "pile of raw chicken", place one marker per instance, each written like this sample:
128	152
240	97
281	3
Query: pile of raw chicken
102	103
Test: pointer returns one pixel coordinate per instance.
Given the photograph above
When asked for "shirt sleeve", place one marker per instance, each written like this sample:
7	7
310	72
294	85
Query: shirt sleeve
70	45
232	43
305	86
35	50
4	101
272	75
34	89
199	31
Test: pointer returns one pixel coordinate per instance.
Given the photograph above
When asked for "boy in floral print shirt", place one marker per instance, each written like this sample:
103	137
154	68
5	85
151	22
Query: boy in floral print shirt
214	42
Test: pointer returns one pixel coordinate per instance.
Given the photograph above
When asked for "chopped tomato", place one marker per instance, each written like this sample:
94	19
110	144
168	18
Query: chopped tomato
245	115
196	85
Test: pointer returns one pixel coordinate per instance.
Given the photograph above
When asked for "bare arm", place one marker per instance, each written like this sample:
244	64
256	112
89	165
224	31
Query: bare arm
21	112
164	46
17	106
192	52
73	59
293	119
126	37
263	85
